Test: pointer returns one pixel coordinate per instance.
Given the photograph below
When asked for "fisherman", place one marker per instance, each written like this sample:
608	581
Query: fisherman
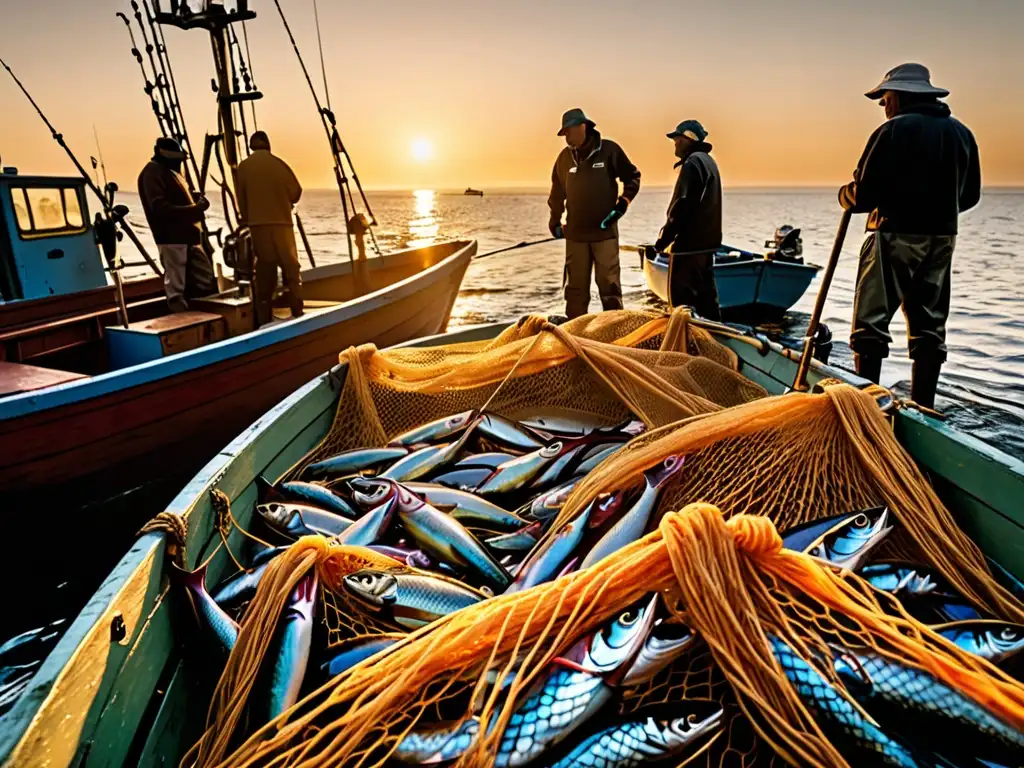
693	230
175	219
585	180
920	169
267	191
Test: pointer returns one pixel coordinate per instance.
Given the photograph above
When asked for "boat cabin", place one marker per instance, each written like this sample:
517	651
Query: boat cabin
47	246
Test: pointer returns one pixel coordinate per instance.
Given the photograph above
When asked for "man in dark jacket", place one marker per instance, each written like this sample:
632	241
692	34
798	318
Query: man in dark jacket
693	229
919	171
175	221
585	183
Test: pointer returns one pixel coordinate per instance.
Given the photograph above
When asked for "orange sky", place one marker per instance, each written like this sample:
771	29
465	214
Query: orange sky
777	84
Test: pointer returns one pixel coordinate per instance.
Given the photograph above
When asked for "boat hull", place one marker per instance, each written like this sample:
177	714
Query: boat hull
97	438
749	290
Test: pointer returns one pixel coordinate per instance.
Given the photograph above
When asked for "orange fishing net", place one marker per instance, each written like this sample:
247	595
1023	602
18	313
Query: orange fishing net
760	461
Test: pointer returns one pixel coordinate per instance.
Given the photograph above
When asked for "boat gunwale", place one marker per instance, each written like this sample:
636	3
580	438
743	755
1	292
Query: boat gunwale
36	401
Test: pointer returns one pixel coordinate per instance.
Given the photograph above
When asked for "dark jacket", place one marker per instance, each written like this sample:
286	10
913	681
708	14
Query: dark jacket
918	171
266	190
170	210
585	182
694	220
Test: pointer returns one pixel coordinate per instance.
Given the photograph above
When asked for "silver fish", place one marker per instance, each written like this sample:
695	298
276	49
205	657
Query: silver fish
676	727
297	520
435	431
369	528
467	508
440	743
353	462
517	541
422	462
290	651
848	545
299	492
438	533
467	479
357	649
631	526
410	599
905	579
596	457
665	643
993	640
241	586
550	465
549	503
502	432
415	558
487	460
543	564
223	627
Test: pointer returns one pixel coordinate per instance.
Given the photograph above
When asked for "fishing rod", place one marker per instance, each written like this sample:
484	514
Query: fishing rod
99	151
148	88
161	85
59	138
523	244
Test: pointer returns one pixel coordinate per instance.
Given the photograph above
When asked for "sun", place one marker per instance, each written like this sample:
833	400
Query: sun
422	150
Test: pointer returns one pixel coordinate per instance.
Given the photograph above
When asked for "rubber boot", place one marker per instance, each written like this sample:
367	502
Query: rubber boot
924	381
868	367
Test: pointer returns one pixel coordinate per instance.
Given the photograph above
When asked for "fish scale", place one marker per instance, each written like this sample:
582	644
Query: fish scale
839	718
622	746
920	705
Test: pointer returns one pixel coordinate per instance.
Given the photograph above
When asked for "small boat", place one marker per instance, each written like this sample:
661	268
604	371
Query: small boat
470	192
89	405
117	687
751	287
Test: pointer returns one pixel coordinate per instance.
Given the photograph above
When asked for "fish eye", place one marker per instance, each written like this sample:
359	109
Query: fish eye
1009	633
860	521
552	450
629	618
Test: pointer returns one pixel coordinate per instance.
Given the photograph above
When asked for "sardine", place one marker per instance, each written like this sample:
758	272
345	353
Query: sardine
289	653
993	640
301	492
357	649
297	520
925	710
544	564
239	588
353	462
446	538
551	464
860	740
665	643
464	479
845	541
632	525
209	614
550	503
467	508
440	743
410	599
415	558
369	528
422	462
595	457
905	579
435	431
517	541
678	727
499	431
483	460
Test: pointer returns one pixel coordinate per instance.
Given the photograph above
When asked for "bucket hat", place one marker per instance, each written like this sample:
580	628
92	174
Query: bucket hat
907	78
575	117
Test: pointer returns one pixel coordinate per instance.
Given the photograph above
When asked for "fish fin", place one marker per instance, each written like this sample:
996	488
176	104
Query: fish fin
569	664
192	579
265	490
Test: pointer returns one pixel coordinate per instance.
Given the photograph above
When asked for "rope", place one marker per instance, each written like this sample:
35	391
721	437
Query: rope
320	42
175	530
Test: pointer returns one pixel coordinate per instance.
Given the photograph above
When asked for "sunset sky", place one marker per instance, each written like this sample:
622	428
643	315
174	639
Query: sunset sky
456	93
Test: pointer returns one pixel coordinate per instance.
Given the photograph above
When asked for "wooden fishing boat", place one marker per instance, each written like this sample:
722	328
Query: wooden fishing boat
751	287
117	691
88	406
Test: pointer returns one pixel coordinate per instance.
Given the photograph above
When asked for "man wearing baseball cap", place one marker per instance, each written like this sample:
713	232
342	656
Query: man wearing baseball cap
585	182
175	221
920	169
693	229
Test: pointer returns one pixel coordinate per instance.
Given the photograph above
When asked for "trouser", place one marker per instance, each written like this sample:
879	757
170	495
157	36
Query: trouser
601	258
908	270
692	284
188	274
274	246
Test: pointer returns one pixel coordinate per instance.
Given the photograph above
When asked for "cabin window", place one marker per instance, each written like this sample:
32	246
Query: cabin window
44	211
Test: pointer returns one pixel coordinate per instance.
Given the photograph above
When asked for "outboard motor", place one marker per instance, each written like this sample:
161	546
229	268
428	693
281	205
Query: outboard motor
787	244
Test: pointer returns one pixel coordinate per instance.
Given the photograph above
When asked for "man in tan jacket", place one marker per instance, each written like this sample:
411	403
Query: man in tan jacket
267	190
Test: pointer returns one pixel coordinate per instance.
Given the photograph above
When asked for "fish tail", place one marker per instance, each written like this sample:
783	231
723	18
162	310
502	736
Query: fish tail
265	490
194	580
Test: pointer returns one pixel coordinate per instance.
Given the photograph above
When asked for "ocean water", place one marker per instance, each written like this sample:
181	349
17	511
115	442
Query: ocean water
982	387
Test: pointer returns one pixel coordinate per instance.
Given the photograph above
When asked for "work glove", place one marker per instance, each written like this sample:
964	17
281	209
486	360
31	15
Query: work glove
617	213
555	228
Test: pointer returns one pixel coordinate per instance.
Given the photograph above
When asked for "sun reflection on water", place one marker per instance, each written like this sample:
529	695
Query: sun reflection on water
424	228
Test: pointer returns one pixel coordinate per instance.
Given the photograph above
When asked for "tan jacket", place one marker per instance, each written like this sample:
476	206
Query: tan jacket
267	189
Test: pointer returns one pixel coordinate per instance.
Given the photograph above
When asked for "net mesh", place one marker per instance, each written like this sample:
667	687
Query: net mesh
752	463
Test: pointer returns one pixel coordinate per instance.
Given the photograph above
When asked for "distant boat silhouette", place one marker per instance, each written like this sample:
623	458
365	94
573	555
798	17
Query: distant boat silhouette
471	191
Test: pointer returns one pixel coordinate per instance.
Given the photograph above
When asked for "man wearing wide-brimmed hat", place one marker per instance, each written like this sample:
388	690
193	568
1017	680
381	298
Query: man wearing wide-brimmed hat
585	182
919	171
175	220
693	228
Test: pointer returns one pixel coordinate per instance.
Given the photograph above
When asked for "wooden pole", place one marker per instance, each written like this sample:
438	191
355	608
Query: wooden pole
800	382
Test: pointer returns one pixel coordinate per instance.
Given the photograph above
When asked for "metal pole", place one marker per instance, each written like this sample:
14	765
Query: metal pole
305	240
85	174
800	382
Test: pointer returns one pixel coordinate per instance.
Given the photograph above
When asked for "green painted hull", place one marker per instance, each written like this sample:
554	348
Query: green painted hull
107	698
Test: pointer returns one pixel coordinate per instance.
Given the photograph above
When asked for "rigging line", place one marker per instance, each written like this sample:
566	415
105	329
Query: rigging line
320	42
252	74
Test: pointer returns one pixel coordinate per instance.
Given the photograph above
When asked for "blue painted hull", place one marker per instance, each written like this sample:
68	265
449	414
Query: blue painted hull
752	289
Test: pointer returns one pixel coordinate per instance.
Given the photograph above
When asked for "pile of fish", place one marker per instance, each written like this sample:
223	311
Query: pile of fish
454	513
